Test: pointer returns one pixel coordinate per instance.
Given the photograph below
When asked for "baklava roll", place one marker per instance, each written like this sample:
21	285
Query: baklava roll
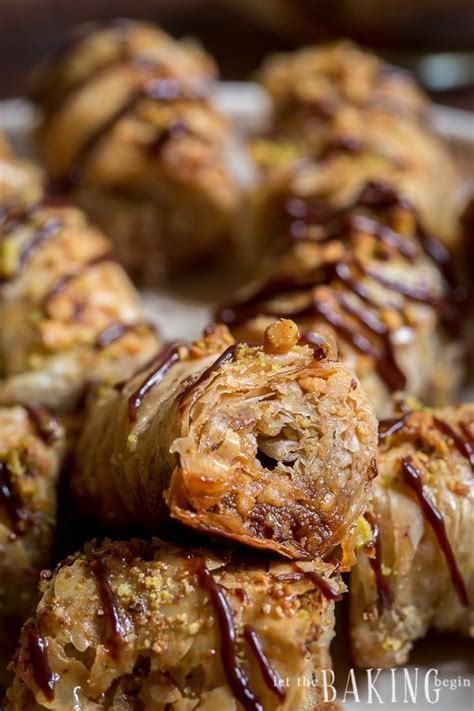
69	313
31	447
372	277
342	119
130	133
417	569
311	85
269	446
156	626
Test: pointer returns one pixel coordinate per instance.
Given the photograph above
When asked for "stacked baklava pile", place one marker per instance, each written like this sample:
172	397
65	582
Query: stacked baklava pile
254	452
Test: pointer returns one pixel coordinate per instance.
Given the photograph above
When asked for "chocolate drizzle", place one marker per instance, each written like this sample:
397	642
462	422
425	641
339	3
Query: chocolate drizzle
176	129
385	361
236	676
383	591
463	445
160	366
389	427
464	427
42	673
58	286
464	441
118	329
378	194
11	501
154	89
414	479
49	229
335	224
321	583
98	567
225	357
270	675
46	426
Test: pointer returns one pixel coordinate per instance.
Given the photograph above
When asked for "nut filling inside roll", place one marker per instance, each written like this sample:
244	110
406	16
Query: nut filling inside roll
272	446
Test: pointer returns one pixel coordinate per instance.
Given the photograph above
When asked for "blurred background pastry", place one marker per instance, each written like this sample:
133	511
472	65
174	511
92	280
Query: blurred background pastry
129	133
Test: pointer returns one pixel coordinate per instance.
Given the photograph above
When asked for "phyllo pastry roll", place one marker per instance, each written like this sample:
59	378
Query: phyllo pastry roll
157	626
314	83
342	118
130	133
417	569
269	446
69	313
371	276
31	447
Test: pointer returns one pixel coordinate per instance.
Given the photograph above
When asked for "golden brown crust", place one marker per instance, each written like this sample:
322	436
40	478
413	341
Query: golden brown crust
423	507
31	447
273	450
349	120
143	623
69	313
328	78
368	275
129	129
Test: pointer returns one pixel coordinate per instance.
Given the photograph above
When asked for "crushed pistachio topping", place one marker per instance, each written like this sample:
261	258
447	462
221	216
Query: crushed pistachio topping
363	532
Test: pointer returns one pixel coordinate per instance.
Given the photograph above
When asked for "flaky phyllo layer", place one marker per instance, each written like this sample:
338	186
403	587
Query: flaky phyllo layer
152	625
271	446
417	572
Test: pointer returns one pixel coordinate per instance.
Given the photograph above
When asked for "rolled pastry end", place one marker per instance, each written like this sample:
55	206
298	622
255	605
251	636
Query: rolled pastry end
276	446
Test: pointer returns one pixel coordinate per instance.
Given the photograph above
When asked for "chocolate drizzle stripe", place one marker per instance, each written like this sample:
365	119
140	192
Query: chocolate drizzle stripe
118	329
154	89
176	129
378	194
414	293
160	366
46	426
389	427
413	478
383	590
464	427
11	219
321	583
98	567
225	357
385	361
10	500
464	446
38	653
50	229
236	676
343	272
58	286
75	175
385	234
365	317
270	675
